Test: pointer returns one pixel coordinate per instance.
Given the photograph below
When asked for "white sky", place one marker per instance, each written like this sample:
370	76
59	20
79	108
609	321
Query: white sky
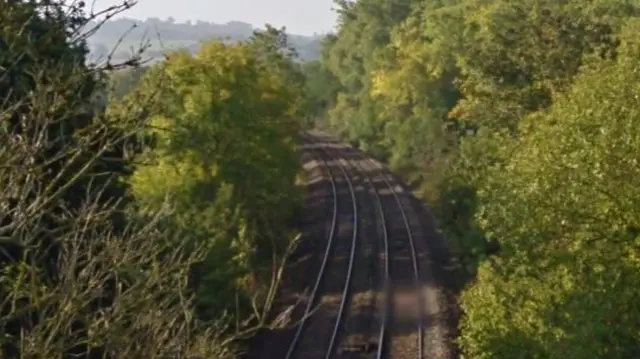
303	17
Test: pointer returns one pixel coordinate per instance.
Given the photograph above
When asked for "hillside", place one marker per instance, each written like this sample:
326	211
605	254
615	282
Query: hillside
127	35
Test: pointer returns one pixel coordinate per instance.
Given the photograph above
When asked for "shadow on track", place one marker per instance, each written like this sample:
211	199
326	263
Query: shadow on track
315	224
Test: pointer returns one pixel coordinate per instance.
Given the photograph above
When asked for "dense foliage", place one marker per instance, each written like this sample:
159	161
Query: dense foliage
224	125
565	208
145	223
516	121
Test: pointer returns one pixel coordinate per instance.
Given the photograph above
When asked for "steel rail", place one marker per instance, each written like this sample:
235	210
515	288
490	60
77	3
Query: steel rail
323	266
325	259
387	275
415	263
386	284
347	284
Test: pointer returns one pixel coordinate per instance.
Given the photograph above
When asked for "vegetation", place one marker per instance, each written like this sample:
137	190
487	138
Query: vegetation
151	222
224	128
515	120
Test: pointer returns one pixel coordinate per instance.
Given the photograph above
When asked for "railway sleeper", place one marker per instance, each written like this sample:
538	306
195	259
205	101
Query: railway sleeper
360	347
399	244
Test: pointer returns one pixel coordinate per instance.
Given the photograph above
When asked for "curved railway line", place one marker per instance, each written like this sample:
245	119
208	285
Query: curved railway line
311	301
323	268
392	272
384	349
390	267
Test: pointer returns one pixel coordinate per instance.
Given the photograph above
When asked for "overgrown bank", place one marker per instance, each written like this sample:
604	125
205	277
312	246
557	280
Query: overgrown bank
147	225
515	121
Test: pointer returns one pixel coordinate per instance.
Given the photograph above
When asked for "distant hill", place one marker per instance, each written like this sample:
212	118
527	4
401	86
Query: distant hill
127	35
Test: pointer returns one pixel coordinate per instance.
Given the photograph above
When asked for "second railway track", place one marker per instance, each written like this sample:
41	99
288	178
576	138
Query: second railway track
404	327
401	328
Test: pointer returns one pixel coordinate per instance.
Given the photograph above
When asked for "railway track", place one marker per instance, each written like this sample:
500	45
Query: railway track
398	270
392	266
405	309
359	337
328	280
374	340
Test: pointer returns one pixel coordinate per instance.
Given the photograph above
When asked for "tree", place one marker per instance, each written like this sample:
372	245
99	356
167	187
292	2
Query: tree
278	56
416	91
321	88
564	209
463	74
356	51
516	56
224	127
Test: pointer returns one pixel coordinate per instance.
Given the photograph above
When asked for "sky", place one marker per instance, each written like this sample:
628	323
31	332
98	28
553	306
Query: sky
303	17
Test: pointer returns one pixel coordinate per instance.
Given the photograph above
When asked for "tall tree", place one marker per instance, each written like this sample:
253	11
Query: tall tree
225	126
356	51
